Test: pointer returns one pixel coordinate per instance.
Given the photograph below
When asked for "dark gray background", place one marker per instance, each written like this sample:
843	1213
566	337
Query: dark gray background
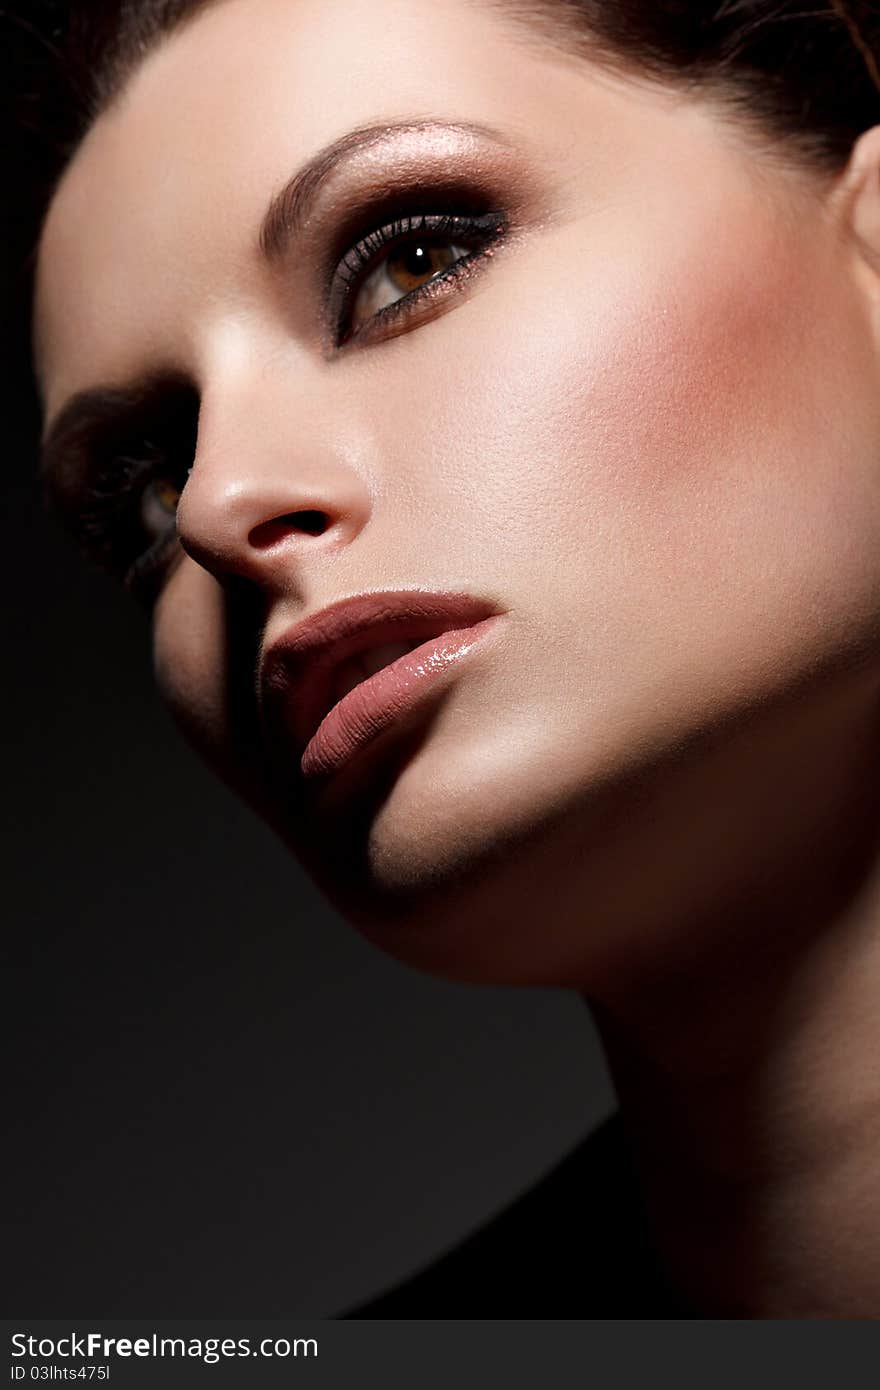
222	1101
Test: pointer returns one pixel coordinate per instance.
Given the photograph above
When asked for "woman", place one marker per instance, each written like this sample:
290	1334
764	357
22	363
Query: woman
486	399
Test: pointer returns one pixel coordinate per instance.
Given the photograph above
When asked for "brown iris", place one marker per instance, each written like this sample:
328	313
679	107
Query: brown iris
406	268
409	265
158	506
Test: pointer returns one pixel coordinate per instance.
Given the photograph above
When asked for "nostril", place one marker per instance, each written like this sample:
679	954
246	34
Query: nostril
269	533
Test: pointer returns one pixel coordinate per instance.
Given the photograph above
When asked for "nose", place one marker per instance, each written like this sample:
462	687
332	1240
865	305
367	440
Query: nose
271	488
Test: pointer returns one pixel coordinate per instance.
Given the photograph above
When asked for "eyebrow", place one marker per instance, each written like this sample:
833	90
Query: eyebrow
282	222
289	209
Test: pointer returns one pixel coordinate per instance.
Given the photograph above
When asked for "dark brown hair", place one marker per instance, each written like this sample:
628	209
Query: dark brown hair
808	69
806	73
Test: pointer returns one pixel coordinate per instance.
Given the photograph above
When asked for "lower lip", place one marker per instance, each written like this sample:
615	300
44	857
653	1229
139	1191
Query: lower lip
382	699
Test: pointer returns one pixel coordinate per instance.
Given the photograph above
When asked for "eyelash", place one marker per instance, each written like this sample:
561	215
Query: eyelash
433	229
110	528
109	523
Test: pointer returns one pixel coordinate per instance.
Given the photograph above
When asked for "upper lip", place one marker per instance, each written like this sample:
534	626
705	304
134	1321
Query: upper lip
305	660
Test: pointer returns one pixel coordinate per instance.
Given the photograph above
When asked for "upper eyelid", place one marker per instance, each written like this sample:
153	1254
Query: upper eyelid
466	222
360	204
472	143
418	153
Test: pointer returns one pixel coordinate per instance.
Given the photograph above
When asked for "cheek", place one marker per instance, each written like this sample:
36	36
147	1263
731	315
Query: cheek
204	663
678	436
189	658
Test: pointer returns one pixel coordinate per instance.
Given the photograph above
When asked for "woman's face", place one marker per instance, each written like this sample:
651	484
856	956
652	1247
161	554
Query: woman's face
638	424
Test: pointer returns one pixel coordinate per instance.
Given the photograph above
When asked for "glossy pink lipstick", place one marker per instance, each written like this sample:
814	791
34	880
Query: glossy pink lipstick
375	703
347	673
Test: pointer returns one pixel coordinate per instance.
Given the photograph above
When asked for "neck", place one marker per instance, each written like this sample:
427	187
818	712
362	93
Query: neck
747	1070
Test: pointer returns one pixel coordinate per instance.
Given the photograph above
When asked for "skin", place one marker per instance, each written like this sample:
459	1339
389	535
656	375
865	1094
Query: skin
647	430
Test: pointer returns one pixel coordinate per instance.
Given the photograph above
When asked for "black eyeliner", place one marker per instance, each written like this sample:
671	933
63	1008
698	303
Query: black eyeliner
481	229
408	194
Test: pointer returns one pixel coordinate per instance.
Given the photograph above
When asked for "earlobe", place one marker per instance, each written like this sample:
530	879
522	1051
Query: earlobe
857	193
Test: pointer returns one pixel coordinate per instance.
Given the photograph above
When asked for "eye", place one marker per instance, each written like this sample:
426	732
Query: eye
406	268
413	259
126	523
116	482
159	501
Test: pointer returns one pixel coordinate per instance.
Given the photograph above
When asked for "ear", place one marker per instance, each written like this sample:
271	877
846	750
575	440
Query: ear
857	197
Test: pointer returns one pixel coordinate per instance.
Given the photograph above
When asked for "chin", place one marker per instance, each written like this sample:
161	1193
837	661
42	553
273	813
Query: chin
448	855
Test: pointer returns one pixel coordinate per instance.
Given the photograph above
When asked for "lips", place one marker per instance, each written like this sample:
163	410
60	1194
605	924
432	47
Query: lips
308	671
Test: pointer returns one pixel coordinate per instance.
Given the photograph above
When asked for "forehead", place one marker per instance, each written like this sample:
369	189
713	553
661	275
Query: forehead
153	232
160	207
